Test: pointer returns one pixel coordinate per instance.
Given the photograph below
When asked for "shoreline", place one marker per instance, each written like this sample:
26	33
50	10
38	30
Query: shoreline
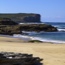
53	54
27	38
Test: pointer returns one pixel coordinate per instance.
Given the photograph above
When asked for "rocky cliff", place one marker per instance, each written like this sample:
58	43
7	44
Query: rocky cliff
17	29
7	21
22	17
9	24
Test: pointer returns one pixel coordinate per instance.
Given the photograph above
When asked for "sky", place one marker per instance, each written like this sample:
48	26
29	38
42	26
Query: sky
50	10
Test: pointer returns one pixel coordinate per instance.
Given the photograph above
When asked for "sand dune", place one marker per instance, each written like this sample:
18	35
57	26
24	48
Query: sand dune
53	54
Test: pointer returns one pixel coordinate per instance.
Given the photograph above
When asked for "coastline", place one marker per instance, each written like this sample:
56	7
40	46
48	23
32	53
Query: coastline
27	38
53	54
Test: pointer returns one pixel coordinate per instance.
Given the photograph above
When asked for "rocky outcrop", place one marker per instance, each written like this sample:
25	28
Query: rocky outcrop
32	19
11	58
23	17
37	27
17	29
9	29
9	24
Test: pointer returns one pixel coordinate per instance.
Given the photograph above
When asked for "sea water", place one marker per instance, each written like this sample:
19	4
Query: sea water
55	37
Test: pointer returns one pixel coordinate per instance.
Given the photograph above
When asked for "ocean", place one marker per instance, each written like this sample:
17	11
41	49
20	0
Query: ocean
54	37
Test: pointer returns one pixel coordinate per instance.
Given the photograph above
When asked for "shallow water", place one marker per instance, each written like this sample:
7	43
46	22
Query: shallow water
55	37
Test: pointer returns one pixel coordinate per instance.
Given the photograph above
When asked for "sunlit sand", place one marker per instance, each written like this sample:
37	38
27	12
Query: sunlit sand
53	54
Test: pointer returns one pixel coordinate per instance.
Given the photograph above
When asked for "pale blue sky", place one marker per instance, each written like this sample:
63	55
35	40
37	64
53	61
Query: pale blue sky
50	10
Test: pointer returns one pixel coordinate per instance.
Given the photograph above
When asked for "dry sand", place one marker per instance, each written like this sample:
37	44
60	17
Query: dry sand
53	54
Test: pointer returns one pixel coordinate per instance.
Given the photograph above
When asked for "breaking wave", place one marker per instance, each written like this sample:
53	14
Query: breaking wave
61	30
25	37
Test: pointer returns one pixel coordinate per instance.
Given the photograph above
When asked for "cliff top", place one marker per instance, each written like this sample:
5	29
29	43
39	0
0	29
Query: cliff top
16	14
21	17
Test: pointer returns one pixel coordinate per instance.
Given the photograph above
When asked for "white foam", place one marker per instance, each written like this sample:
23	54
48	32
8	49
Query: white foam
37	38
20	36
24	37
56	26
61	29
29	33
31	23
32	32
47	40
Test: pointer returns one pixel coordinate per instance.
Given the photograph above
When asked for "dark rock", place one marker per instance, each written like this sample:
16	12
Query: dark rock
32	19
22	17
9	30
9	26
38	27
18	59
7	21
17	29
33	41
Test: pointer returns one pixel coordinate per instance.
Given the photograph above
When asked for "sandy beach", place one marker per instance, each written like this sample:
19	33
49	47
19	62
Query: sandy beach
53	54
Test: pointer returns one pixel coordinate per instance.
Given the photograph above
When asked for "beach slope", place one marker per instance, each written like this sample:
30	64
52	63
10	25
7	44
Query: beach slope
53	54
